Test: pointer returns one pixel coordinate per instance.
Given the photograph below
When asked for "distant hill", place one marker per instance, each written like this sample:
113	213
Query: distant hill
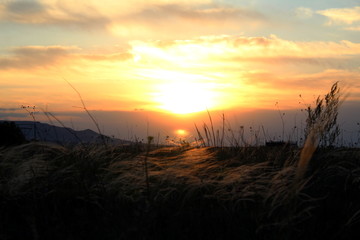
50	133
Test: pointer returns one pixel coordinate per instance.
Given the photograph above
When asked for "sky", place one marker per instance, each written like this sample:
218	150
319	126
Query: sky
155	67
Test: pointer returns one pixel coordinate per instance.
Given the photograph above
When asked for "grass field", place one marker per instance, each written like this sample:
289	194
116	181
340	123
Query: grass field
99	192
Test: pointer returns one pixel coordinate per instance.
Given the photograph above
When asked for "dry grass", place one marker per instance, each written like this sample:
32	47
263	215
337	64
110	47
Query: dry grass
54	192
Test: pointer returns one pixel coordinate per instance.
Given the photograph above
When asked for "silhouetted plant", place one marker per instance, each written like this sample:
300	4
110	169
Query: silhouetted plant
32	111
321	127
148	148
52	192
281	114
10	134
323	117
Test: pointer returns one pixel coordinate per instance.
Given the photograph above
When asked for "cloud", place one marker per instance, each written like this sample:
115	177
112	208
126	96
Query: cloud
330	62
41	13
12	116
113	8
251	48
302	12
12	113
34	56
355	28
239	70
115	57
24	7
340	16
154	18
212	50
30	57
349	81
173	21
8	109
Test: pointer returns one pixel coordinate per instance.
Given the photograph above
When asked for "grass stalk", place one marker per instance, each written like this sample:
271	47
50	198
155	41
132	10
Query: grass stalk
201	139
212	128
148	147
223	131
88	113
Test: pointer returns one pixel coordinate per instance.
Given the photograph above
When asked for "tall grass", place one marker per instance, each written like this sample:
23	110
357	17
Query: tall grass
48	191
322	127
209	136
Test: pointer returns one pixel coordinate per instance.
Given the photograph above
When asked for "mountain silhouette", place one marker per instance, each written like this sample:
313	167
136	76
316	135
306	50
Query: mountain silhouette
62	135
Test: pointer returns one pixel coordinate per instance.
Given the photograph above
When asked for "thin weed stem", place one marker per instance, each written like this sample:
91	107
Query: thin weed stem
88	113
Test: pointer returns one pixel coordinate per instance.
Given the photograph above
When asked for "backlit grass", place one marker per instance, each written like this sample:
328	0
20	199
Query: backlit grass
52	192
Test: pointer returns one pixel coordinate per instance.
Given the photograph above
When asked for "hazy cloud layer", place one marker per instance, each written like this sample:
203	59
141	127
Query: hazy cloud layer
237	70
26	8
37	12
216	51
135	18
34	56
174	21
30	57
253	49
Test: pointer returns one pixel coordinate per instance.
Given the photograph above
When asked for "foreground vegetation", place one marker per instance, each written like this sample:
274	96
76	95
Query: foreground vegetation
52	192
212	191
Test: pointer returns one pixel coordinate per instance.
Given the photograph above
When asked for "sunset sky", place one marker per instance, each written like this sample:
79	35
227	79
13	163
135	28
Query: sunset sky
157	63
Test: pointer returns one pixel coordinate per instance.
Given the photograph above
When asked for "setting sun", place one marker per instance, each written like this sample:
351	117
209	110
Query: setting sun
184	97
181	132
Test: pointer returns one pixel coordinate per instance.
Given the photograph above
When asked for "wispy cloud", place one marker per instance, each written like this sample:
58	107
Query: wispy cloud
57	13
342	15
27	8
34	56
178	20
355	28
194	53
339	16
30	57
247	49
303	12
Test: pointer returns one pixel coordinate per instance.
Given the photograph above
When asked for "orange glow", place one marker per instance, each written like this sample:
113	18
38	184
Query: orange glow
181	132
182	77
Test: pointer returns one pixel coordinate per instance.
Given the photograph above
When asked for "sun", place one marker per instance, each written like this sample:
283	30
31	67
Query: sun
184	97
181	132
181	92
